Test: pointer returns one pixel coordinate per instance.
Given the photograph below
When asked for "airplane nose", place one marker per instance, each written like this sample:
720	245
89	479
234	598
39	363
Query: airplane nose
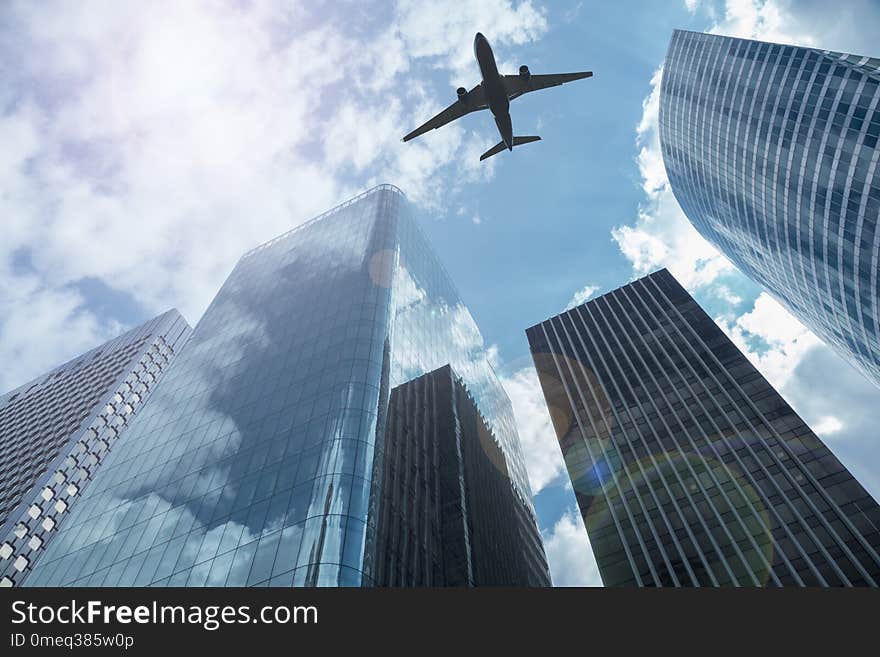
480	43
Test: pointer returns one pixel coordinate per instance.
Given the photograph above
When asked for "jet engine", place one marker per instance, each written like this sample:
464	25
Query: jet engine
524	72
462	92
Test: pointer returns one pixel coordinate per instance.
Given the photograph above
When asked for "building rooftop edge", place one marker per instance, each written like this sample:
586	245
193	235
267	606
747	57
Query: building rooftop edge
336	208
589	301
846	57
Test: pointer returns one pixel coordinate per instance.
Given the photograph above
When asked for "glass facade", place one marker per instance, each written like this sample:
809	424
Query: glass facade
56	431
688	467
259	460
771	150
448	514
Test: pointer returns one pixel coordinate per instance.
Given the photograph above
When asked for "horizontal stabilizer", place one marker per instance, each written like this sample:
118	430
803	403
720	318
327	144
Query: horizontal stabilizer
497	148
525	140
500	146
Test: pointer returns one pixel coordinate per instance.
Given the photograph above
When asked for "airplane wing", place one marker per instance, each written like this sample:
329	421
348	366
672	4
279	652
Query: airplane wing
518	85
472	101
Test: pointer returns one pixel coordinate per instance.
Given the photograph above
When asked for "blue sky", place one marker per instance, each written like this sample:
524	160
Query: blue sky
146	146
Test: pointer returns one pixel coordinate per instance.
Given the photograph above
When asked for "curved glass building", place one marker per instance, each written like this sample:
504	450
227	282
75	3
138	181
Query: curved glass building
261	459
771	150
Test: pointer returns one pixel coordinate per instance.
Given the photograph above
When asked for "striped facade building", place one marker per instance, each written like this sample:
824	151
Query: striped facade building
688	467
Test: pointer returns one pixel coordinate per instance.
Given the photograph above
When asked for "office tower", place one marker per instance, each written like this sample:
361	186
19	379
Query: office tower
688	467
259	461
771	151
449	516
56	431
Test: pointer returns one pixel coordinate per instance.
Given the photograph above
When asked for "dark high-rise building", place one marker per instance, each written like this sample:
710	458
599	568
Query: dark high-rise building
56	431
771	150
448	513
260	460
688	467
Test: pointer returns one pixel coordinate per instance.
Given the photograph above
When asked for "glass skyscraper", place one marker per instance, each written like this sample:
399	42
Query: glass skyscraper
56	431
688	467
261	458
771	150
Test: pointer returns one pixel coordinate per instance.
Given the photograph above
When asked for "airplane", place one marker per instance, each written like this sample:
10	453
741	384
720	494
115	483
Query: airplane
495	93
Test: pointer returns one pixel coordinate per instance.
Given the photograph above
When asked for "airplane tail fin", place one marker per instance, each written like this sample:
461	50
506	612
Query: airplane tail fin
500	146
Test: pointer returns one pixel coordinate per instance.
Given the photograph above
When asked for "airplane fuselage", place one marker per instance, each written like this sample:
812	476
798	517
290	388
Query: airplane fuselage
494	89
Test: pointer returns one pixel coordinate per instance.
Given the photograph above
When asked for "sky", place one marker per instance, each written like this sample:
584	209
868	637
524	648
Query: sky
146	146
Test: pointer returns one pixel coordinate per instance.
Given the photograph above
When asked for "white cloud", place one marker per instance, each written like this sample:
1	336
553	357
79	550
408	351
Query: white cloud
827	424
438	30
572	13
543	458
691	5
771	322
569	553
31	311
148	147
768	20
581	296
662	235
772	339
727	295
826	390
